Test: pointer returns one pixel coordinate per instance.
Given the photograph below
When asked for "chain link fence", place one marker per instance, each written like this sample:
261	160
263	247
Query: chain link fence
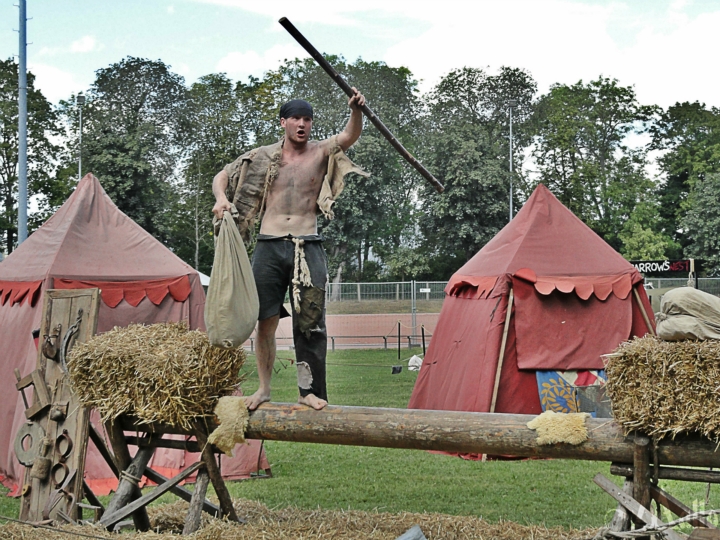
386	297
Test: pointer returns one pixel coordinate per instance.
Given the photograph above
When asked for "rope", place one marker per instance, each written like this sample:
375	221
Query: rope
37	526
648	530
129	477
301	273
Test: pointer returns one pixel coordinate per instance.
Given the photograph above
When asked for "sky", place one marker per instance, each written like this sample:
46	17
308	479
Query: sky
666	49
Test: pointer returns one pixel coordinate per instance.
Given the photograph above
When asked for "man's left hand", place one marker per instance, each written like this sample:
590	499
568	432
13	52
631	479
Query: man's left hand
357	100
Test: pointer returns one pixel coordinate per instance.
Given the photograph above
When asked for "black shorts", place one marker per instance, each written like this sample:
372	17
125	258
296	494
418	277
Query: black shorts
273	264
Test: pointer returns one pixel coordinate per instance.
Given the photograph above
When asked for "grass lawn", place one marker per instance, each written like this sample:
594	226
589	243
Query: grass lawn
550	492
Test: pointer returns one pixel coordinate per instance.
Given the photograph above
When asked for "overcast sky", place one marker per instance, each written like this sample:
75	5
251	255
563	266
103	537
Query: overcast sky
667	49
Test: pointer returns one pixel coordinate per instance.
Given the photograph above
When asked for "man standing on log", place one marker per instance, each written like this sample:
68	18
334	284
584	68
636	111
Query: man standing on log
289	183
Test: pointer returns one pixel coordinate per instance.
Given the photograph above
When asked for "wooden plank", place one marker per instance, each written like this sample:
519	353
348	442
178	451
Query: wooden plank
677	507
215	477
639	511
621	519
705	534
641	477
122	462
126	488
99	442
501	357
194	515
670	473
185	494
111	518
188	446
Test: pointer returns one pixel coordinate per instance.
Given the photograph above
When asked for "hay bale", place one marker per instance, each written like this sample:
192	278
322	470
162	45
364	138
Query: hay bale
553	427
158	373
663	388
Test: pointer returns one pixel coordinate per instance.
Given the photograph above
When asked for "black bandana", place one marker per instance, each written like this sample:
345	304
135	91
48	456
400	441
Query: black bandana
296	107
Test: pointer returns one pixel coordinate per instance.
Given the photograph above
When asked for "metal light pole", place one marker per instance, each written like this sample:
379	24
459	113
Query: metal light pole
511	104
80	100
22	126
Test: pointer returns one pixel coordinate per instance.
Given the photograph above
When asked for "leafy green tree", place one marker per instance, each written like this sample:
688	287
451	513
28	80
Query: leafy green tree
43	126
582	156
466	146
640	237
702	222
688	135
135	122
217	136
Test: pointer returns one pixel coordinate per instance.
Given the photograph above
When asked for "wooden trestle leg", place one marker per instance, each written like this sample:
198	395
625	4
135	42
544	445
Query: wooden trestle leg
214	474
194	515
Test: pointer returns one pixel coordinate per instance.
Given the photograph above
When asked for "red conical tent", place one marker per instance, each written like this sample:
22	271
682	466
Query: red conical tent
574	299
89	242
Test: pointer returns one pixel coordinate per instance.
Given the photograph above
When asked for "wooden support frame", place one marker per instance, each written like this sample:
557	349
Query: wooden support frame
633	506
501	356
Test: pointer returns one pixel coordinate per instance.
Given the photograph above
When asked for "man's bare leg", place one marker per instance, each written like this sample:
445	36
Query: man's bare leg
265	349
313	401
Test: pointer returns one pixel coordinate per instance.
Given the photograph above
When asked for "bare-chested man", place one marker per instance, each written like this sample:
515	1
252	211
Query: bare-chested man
301	179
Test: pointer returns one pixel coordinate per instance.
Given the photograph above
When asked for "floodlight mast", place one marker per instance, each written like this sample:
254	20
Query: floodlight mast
22	125
80	100
512	103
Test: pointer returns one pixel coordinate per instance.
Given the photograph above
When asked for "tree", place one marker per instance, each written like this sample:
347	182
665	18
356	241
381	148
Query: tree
466	146
688	135
135	122
217	136
43	125
582	156
702	222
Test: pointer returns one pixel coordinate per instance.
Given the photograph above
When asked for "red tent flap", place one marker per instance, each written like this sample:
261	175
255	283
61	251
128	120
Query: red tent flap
563	332
584	286
19	291
113	292
470	286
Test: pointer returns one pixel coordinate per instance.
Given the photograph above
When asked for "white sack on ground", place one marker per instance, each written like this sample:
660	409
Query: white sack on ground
687	313
232	306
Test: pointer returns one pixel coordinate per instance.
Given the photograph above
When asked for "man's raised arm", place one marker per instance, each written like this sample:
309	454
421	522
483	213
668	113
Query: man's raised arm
352	130
219	185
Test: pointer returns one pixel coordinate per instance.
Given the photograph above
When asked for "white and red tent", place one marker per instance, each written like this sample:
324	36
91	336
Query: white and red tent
89	242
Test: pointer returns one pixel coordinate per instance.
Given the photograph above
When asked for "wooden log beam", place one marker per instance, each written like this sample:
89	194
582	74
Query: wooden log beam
464	432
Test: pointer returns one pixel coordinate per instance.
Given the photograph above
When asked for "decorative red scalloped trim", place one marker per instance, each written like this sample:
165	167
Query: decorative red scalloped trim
477	287
133	292
583	286
19	291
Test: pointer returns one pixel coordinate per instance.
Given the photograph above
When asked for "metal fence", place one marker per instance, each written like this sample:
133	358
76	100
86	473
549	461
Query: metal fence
709	285
391	291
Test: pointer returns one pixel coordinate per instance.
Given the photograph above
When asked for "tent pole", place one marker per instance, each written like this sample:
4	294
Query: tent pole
508	313
644	313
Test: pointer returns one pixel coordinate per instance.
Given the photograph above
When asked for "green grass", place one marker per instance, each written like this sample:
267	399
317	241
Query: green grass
553	492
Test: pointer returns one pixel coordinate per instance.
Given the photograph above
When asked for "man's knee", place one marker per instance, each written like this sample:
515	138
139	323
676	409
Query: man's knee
266	328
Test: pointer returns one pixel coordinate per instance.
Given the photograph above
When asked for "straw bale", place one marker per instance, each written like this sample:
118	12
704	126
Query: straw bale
280	524
663	388
158	373
553	427
232	414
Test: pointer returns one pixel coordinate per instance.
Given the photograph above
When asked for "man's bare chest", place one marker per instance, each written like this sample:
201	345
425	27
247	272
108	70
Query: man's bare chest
303	173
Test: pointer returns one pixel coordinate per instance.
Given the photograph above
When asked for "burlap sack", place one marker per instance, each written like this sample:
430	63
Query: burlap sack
232	306
687	313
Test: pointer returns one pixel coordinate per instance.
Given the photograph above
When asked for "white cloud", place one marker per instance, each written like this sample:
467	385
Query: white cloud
238	65
171	9
84	44
54	83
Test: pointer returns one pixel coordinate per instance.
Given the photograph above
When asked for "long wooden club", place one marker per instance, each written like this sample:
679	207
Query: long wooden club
320	59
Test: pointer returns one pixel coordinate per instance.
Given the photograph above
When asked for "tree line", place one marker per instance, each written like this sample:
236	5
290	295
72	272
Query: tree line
646	179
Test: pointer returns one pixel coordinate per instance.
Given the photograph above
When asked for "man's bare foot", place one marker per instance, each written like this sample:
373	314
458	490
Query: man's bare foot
254	401
311	400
